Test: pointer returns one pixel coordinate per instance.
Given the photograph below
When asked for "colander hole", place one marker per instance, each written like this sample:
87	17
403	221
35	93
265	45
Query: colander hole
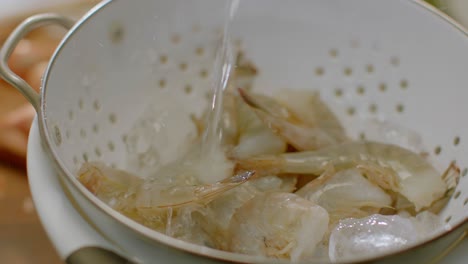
81	104
437	150
85	157
196	28
400	108
113	165
111	146
183	66
112	118
360	90
456	195
465	202
348	71
116	33
124	138
82	133
98	152
464	172
354	44
373	108
362	136
96	105
448	219
175	39
70	115
319	71
199	51
351	111
162	83
238	43
338	92
208	95
204	73
383	87
163	59
75	160
57	136
95	128
456	141
404	84
395	61
67	134
369	68
333	53
188	89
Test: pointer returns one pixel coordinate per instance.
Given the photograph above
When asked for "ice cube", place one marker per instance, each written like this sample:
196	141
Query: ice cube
159	135
366	237
142	154
391	133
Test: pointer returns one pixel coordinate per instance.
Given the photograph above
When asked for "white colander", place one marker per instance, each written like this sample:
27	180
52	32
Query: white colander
400	61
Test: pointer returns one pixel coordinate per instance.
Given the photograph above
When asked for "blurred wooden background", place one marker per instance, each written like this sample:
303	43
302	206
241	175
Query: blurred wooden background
22	238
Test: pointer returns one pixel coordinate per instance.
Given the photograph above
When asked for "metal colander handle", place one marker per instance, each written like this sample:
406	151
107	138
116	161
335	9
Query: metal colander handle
12	41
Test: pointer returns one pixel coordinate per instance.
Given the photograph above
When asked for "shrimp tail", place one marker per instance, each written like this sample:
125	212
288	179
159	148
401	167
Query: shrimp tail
384	177
451	176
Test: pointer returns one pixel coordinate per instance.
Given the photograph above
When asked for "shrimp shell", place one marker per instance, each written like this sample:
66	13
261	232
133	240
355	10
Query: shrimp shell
312	126
414	177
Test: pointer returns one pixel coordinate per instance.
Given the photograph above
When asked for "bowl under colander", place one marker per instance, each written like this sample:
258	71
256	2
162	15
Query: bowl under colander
399	61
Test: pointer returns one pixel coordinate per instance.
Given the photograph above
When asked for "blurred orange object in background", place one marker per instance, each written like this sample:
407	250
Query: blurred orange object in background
22	237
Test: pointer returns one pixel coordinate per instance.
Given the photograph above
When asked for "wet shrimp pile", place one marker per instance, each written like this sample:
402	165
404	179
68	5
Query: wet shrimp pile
284	182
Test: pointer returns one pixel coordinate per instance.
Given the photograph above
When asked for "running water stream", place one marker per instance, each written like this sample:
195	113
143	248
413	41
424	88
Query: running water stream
223	66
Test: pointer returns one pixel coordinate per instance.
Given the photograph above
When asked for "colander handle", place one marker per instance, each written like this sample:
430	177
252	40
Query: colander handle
12	41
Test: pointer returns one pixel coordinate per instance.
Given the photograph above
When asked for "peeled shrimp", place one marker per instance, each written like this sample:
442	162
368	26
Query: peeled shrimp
312	126
280	225
389	166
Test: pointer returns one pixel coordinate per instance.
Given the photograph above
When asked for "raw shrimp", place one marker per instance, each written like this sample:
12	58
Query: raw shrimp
109	185
223	207
208	224
312	126
389	166
280	225
229	126
255	138
156	195
345	194
242	76
118	188
343	190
